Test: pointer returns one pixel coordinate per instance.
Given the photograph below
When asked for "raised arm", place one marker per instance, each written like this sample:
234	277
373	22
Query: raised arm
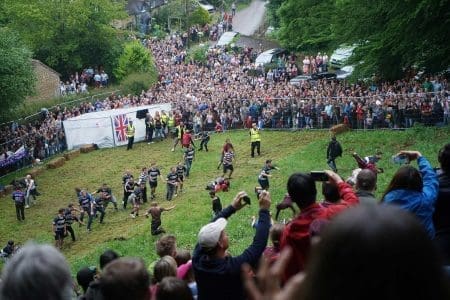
430	179
253	253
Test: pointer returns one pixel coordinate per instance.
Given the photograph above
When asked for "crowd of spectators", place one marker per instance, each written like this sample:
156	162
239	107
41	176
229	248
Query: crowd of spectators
227	88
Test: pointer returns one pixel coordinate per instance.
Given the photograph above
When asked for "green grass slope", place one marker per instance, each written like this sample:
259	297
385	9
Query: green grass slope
290	151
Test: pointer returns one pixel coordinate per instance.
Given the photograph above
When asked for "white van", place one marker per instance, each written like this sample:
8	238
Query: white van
341	55
269	56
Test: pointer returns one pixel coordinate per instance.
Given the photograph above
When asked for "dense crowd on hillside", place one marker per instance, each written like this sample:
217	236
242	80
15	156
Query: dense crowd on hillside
227	88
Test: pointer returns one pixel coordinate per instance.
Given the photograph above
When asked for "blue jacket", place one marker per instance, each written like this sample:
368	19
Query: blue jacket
221	278
421	203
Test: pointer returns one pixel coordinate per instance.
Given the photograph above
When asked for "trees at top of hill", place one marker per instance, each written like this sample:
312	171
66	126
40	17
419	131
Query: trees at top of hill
67	35
135	58
393	36
305	24
16	72
180	14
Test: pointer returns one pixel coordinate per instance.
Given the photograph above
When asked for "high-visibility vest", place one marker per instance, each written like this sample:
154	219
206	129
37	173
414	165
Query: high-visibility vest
164	119
254	135
180	131
130	130
171	122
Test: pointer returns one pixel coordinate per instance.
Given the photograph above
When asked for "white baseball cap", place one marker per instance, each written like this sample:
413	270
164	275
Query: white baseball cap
209	235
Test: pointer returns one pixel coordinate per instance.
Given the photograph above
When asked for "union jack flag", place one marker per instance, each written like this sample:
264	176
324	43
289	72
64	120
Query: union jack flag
120	126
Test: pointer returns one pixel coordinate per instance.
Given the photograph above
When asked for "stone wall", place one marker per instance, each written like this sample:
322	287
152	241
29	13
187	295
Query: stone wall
47	81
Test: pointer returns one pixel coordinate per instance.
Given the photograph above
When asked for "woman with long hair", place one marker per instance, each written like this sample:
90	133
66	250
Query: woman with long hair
415	190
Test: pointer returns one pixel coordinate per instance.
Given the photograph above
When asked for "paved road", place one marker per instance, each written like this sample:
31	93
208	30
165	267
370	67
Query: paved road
247	21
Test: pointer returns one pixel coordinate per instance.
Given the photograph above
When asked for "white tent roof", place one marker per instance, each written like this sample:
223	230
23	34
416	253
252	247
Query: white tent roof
226	38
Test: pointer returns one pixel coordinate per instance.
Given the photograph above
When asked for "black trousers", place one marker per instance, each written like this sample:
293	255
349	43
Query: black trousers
20	211
204	144
155	227
125	199
256	145
130	142
72	233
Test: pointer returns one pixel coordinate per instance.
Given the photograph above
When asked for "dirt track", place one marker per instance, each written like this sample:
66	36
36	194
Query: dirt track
247	21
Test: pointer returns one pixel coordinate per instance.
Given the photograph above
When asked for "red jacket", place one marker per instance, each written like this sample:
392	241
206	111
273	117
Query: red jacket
296	234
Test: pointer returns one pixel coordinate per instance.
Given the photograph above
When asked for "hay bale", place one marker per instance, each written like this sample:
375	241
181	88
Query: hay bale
56	163
36	171
72	154
87	148
8	189
340	128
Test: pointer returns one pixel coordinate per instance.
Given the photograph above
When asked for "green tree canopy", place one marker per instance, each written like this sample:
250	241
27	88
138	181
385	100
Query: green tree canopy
305	24
67	35
396	35
16	72
135	58
188	12
392	36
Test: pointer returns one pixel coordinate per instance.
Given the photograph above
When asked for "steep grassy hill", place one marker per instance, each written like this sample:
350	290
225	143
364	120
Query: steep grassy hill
290	151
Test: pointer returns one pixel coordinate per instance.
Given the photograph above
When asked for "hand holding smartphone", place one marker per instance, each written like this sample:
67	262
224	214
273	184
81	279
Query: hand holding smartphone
400	159
319	175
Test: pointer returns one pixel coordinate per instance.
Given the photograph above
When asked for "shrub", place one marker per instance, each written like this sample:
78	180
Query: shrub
135	59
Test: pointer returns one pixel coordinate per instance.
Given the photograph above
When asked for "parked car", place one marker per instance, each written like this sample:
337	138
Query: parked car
269	56
323	75
340	56
345	72
206	6
298	80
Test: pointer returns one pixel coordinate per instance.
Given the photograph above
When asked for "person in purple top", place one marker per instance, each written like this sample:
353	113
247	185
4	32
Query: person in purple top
19	200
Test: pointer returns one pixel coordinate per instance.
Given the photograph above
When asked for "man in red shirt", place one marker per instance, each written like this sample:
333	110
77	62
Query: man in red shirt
302	189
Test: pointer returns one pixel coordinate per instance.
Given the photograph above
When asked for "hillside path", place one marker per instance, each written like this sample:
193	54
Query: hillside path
247	20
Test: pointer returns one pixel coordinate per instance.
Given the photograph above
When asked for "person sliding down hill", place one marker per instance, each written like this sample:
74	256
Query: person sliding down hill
155	211
220	184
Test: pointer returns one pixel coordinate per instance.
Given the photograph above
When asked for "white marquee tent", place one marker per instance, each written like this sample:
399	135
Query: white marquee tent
107	128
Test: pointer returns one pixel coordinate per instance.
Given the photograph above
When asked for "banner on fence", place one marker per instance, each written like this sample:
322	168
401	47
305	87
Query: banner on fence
12	157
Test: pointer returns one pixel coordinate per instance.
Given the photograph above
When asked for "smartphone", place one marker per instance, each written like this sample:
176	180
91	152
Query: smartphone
246	199
319	175
400	159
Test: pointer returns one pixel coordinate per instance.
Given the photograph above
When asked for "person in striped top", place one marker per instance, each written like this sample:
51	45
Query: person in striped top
228	158
263	178
70	216
153	174
172	182
143	177
189	155
181	171
59	228
85	199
